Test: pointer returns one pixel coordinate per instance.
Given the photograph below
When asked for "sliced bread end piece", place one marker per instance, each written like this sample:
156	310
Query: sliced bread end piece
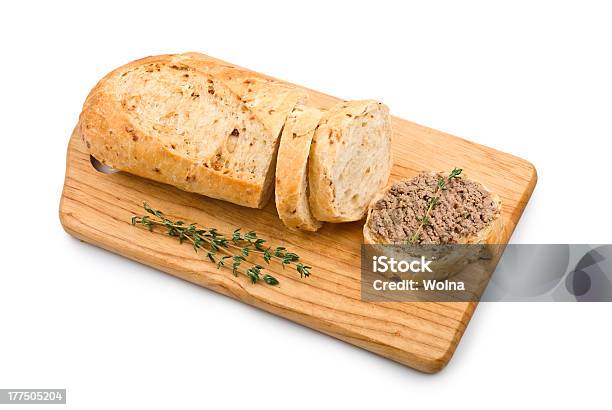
292	169
350	160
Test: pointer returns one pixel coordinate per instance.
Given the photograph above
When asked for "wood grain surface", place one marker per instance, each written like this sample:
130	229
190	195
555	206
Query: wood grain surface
97	207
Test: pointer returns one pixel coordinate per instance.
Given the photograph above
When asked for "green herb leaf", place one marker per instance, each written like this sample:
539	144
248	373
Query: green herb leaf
303	270
259	244
236	237
270	280
267	256
455	173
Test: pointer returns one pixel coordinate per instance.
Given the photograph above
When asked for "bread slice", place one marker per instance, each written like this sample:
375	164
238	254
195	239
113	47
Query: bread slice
292	169
467	213
191	122
350	160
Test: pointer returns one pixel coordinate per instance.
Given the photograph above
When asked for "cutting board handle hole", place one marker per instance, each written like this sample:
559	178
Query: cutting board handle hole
100	167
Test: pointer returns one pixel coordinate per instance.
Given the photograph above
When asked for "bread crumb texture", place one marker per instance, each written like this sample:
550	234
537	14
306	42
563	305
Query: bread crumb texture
350	160
195	116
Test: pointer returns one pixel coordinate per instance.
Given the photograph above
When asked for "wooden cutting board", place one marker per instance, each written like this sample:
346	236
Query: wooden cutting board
97	207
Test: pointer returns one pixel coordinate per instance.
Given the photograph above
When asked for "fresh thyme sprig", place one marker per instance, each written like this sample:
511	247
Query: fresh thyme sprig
235	249
433	201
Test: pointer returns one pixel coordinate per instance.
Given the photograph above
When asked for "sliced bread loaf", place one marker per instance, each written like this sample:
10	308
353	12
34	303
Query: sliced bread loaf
292	169
191	122
350	160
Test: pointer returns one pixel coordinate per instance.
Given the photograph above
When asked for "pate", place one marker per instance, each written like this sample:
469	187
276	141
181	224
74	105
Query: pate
465	207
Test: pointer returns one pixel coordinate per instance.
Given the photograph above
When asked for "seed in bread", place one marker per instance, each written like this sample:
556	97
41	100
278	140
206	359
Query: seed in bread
292	169
350	160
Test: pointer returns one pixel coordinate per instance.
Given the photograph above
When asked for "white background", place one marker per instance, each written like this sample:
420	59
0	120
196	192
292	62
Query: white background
530	78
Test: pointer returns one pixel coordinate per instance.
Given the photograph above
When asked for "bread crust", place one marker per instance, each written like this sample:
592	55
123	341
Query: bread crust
113	138
292	169
327	152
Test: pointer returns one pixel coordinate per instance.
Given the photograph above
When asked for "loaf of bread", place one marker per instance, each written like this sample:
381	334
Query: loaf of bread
350	160
191	122
292	169
208	127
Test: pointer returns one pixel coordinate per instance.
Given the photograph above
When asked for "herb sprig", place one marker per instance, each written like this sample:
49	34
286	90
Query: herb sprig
433	201
235	249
